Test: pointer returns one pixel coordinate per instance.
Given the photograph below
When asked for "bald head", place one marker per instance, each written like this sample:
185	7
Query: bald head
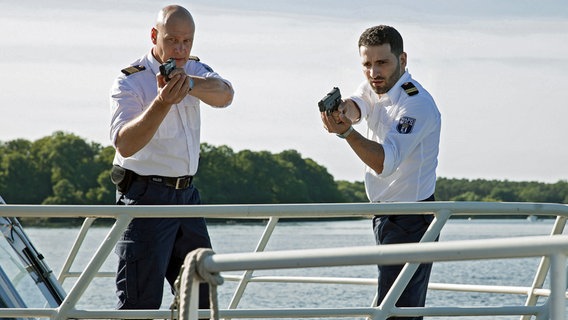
173	14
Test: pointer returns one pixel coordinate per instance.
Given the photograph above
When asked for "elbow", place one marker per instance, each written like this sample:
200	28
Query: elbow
123	147
376	161
124	151
377	168
226	98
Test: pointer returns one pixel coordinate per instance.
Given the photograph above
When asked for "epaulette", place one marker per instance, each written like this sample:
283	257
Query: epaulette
409	88
194	58
132	69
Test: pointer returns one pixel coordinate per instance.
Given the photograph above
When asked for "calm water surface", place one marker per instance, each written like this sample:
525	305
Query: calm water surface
227	238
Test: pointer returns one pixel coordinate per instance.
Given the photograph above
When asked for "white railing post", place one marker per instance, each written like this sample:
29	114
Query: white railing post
87	223
193	302
557	298
247	275
93	266
408	270
543	267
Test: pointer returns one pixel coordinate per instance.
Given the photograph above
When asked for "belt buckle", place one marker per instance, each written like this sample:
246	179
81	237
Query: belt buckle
181	183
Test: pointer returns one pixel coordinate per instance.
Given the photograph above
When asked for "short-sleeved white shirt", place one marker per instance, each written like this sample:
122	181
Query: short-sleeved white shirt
408	128
173	151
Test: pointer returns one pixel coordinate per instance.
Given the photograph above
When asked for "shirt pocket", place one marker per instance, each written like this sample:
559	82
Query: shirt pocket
191	112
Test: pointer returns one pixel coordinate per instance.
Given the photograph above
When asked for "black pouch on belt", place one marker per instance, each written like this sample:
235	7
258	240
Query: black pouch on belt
122	178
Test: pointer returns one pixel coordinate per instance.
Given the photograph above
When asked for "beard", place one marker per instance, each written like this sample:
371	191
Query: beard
390	81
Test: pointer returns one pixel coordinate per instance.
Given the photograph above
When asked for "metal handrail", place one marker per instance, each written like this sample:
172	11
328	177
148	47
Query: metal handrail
555	247
123	215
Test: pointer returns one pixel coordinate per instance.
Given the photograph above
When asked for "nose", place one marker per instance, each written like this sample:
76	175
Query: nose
374	72
181	48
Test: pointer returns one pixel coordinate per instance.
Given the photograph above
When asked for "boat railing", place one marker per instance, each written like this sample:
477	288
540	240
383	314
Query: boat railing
552	250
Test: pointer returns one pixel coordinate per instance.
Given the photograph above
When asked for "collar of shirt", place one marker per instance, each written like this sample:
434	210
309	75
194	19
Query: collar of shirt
393	95
153	63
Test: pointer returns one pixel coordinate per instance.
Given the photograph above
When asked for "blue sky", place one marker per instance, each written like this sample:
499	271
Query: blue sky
497	70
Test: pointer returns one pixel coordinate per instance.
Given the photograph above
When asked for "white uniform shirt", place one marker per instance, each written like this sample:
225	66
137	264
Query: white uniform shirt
173	151
408	128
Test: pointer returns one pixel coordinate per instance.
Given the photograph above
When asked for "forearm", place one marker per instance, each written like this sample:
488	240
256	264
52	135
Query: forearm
340	123
370	152
214	92
136	134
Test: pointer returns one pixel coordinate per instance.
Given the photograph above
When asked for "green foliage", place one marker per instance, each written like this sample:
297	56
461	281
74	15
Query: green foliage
262	177
65	169
353	190
501	191
58	169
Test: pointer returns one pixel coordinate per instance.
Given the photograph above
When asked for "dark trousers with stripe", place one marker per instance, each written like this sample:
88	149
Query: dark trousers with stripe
403	229
154	249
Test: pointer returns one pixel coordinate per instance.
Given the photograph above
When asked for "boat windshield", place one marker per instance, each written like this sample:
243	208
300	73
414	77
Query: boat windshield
17	288
25	279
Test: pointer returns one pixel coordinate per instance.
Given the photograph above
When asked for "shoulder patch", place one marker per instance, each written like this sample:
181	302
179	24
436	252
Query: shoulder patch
132	69
405	125
194	58
409	88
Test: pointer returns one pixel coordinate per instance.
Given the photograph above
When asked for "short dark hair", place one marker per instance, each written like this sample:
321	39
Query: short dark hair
379	35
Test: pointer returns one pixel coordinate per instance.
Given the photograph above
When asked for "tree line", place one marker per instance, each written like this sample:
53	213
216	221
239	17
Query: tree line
65	169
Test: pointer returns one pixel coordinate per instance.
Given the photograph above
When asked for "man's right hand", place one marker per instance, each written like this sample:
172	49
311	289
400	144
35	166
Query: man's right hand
175	90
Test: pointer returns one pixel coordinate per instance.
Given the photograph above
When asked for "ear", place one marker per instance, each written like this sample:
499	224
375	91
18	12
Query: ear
403	60
154	35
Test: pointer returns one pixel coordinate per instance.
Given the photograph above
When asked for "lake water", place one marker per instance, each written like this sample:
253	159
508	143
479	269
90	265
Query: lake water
54	244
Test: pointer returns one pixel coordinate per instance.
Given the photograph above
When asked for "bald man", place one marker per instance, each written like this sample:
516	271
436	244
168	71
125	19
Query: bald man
155	129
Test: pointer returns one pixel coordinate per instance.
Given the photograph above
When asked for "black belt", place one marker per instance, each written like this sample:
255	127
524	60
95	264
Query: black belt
176	183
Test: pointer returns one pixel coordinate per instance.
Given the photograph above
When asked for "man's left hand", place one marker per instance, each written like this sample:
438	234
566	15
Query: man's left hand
335	122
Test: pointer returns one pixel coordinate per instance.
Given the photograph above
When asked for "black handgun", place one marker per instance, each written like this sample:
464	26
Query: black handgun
331	101
167	67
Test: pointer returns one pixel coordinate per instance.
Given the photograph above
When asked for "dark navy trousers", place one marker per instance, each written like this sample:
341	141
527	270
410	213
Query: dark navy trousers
154	249
403	229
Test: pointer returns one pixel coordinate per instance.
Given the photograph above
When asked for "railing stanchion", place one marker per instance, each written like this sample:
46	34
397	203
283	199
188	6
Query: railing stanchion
542	270
93	266
193	301
64	274
558	286
247	275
